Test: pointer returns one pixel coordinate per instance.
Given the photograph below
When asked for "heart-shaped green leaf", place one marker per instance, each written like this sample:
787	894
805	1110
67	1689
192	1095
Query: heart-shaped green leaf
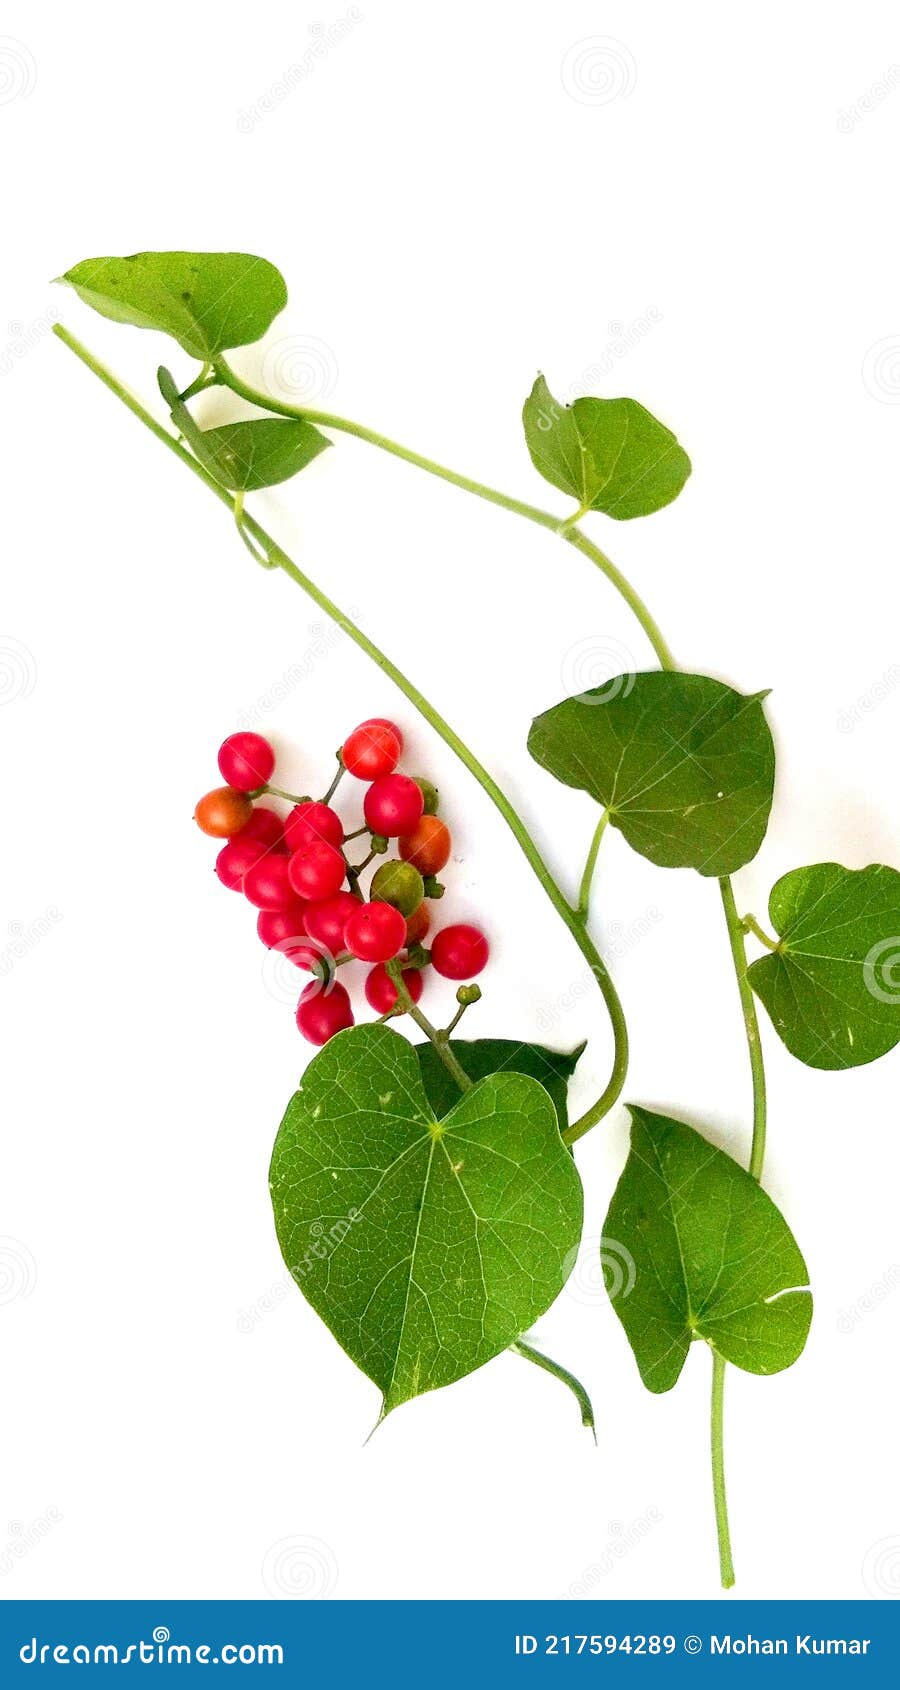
832	988
426	1246
245	455
693	1248
684	765
611	454
208	301
480	1057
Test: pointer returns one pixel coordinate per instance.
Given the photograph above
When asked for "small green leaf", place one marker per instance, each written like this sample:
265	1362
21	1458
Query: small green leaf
427	1247
611	454
480	1057
684	765
208	301
700	1251
245	455
832	988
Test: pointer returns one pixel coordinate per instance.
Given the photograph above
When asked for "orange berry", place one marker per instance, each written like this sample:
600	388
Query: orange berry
223	812
418	924
428	847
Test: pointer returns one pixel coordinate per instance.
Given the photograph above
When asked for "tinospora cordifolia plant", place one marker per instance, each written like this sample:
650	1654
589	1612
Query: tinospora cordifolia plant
439	1178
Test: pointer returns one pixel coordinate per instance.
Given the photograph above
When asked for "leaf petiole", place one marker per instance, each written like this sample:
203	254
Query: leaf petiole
751	925
529	1353
206	378
717	1445
584	894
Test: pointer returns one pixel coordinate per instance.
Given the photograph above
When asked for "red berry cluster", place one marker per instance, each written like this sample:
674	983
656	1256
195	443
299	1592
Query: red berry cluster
296	871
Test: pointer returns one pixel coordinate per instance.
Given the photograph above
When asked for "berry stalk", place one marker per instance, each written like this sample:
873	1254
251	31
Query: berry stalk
440	1040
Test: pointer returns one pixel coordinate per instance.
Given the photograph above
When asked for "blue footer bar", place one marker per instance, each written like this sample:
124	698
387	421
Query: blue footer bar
437	1644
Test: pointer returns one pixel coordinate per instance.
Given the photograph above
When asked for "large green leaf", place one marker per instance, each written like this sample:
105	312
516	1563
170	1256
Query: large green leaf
480	1057
832	988
427	1246
706	1254
612	455
684	765
209	301
245	455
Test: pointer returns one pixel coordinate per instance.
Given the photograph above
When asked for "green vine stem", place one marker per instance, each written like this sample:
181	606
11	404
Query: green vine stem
575	918
568	530
277	558
563	526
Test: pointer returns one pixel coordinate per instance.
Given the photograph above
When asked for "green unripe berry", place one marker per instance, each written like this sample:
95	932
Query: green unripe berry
430	794
399	884
468	994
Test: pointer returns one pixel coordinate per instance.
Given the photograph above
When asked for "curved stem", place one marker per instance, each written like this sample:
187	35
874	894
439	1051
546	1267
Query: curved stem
564	526
343	425
529	1353
278	558
717	1445
626	591
584	891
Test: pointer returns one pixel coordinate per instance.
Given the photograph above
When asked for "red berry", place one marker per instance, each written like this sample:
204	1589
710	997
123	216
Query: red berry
275	927
265	825
393	805
223	812
375	932
317	871
381	992
418	924
372	749
321	1012
327	919
236	858
310	821
283	930
246	761
459	952
266	882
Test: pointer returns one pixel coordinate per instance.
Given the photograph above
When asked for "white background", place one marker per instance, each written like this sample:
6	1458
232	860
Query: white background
701	208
